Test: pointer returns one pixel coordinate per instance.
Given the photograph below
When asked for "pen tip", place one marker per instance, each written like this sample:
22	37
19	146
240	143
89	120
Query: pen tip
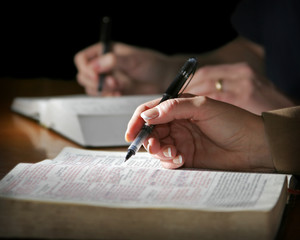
129	155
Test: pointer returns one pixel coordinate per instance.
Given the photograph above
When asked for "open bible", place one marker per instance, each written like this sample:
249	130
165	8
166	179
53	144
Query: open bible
88	121
84	194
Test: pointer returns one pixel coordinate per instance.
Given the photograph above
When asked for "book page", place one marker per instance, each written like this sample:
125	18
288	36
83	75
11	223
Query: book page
31	107
87	105
36	107
102	179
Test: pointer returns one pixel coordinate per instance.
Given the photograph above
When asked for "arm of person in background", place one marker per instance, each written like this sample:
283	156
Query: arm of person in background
199	132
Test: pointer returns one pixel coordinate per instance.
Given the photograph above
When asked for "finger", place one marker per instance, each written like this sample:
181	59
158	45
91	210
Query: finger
167	154
136	122
105	63
196	109
180	108
87	82
207	78
82	58
92	91
159	138
110	85
165	151
124	82
90	64
125	55
174	163
87	76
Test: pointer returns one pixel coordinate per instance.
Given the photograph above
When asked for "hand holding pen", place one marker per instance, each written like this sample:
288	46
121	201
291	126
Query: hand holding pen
173	91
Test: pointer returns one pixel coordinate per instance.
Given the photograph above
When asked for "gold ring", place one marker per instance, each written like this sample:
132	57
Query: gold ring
219	85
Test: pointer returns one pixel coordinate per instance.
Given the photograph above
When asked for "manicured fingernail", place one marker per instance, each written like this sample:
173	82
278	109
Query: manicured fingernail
167	152
148	148
127	137
178	160
150	114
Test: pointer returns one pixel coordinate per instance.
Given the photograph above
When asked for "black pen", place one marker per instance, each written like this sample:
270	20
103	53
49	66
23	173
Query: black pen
105	39
173	91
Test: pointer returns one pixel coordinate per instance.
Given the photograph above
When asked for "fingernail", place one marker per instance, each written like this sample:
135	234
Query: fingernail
127	139
178	160
167	152
150	114
149	148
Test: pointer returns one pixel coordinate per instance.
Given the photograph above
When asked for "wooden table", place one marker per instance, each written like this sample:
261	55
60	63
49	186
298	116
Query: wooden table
23	140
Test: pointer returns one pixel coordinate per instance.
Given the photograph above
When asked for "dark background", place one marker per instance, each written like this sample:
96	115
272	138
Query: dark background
41	40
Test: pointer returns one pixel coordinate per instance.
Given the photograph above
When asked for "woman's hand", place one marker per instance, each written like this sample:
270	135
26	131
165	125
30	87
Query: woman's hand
128	69
240	85
198	132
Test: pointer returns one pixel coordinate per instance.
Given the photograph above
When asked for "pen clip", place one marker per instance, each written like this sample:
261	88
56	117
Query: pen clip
189	79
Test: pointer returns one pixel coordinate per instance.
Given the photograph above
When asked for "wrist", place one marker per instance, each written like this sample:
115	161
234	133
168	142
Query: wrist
260	153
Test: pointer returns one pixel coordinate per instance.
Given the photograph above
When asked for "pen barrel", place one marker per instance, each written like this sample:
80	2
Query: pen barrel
105	30
173	91
105	39
186	71
140	138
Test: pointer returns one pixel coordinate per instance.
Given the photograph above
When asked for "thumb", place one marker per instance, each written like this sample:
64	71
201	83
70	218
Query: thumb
179	108
104	63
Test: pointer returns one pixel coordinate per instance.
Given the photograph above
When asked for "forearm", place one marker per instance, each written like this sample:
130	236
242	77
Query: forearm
238	50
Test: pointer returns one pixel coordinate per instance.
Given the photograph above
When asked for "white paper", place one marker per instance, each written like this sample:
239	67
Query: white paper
87	105
102	179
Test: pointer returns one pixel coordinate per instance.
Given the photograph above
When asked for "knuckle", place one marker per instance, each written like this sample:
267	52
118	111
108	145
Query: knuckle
203	71
77	58
142	108
145	106
168	106
245	69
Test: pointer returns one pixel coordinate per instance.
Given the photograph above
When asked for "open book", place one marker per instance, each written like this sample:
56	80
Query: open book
88	121
94	194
